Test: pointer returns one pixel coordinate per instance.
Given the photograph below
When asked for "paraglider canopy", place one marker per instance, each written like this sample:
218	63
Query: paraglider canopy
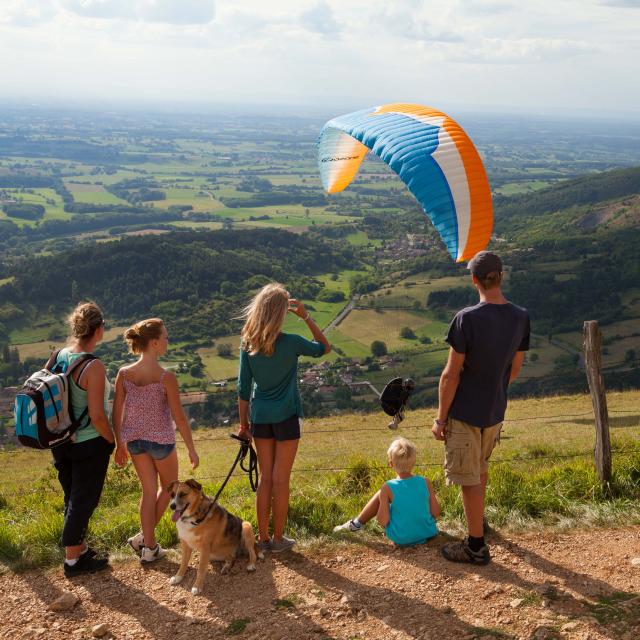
432	155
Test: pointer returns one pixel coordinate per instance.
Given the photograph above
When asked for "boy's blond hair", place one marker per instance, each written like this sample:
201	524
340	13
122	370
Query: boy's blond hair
402	455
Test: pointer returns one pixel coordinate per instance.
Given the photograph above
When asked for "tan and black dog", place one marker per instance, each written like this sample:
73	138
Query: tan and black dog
210	529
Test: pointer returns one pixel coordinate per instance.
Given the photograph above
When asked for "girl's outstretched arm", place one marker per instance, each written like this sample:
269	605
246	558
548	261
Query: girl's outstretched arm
298	309
116	418
173	398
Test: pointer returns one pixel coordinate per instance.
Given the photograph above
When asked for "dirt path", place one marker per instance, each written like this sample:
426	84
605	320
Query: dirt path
579	585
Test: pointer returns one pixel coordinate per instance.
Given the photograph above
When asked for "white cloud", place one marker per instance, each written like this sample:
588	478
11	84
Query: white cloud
407	19
527	51
320	19
26	13
485	7
624	4
179	12
355	52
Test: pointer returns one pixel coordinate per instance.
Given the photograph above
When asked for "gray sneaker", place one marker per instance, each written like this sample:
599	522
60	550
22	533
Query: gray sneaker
282	545
263	546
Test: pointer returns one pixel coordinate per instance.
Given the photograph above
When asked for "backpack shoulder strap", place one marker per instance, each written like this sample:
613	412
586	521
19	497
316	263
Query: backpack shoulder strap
84	359
53	359
81	363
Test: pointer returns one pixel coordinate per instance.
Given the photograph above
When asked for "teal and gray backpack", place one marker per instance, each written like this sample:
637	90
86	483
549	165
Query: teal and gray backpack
42	408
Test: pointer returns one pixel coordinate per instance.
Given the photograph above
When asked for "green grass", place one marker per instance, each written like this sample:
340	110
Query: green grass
532	481
237	626
288	602
611	609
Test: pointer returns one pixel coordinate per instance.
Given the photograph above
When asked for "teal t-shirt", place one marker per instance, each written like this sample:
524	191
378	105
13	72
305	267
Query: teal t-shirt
270	382
79	399
411	521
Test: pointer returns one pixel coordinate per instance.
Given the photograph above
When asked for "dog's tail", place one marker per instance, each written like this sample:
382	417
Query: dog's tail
249	543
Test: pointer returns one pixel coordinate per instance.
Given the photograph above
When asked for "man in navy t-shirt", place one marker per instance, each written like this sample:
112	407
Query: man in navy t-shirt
488	342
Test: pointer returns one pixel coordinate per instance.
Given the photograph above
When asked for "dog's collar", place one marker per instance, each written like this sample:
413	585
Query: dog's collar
201	519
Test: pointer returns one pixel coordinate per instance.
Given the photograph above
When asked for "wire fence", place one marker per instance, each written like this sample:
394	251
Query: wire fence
15	491
222	438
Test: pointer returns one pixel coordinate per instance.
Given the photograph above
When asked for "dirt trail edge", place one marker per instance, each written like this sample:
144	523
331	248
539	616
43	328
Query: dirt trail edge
580	585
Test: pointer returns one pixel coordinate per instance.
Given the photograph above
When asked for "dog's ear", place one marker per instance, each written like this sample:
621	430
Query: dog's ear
194	484
171	489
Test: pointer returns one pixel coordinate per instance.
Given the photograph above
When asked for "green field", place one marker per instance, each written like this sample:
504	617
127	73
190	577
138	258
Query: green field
365	326
48	198
512	188
219	368
415	288
42	348
92	194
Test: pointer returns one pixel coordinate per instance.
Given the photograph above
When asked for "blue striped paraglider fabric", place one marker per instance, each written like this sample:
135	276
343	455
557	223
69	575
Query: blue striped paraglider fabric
432	155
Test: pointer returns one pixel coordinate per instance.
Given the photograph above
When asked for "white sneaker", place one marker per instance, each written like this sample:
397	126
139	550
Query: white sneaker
349	526
151	555
136	542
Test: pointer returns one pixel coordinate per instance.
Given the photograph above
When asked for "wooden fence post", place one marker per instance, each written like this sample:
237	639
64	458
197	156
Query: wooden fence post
593	366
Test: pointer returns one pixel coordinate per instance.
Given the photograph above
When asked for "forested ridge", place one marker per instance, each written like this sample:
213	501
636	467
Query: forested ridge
589	189
201	278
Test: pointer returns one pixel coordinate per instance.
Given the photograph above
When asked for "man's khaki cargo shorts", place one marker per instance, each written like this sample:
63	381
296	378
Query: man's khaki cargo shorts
467	451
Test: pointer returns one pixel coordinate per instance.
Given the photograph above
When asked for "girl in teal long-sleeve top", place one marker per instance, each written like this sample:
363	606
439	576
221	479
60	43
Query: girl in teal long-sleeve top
269	401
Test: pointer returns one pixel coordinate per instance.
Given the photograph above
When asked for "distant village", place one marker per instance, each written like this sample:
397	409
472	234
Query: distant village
325	381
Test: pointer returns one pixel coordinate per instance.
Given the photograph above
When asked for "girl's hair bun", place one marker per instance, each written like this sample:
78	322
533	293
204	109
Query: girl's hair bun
85	319
138	335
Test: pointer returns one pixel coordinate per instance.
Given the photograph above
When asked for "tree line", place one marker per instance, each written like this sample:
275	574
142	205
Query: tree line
198	281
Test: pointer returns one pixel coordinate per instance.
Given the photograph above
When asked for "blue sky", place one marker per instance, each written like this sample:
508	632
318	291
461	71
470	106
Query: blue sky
539	56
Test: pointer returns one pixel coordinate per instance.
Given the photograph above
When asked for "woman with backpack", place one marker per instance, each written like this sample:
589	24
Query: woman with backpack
82	463
268	380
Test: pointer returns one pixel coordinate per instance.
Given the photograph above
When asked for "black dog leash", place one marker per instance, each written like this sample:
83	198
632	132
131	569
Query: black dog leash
251	470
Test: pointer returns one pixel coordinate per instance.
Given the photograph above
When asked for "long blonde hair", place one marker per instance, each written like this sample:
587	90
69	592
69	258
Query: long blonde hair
264	317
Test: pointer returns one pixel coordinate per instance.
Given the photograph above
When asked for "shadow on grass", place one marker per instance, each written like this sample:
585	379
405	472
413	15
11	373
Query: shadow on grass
615	422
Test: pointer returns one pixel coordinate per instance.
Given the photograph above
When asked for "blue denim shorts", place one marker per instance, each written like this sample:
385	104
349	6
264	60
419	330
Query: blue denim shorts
156	450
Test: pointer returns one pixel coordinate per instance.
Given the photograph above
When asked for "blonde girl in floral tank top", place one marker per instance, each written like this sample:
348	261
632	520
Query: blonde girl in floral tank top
146	404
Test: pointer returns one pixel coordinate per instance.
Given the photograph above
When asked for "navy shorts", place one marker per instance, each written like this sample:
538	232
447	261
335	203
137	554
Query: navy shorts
156	450
288	429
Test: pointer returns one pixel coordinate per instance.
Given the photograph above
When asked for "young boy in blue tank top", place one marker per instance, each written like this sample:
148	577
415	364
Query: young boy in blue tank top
406	506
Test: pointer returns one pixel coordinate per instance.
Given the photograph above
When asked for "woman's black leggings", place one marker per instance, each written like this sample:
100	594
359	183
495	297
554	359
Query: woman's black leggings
82	468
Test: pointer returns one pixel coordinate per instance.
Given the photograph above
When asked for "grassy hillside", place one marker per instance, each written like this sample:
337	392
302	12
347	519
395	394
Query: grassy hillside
586	190
543	475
